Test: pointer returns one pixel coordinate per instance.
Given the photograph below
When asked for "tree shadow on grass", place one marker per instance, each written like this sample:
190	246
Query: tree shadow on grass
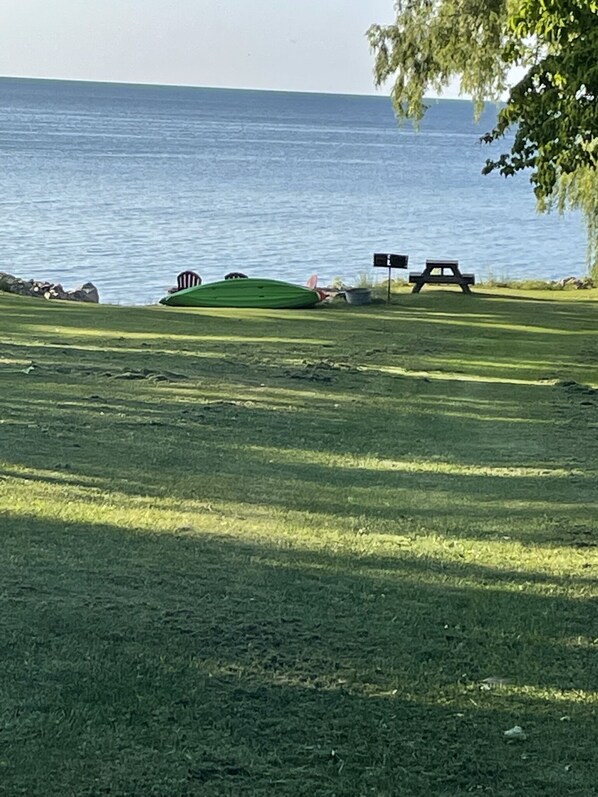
421	472
436	337
189	664
492	306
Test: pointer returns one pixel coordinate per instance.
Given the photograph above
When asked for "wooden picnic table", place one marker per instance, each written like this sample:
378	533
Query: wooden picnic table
447	272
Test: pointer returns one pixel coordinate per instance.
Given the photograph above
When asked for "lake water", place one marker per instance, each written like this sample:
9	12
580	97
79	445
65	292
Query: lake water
126	185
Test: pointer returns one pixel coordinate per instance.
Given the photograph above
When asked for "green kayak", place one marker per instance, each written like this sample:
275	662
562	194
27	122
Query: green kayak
248	292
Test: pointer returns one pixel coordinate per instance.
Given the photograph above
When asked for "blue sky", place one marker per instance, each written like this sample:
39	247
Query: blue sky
294	45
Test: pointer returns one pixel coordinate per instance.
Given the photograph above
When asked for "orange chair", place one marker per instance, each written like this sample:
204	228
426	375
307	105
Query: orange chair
312	284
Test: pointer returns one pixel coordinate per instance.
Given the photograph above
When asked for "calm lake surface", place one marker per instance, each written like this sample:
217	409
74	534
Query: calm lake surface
126	185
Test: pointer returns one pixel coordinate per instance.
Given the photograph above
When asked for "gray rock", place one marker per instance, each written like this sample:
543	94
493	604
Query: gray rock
578	283
6	281
86	293
47	290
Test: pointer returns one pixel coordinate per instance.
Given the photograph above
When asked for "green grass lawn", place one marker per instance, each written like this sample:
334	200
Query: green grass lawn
279	552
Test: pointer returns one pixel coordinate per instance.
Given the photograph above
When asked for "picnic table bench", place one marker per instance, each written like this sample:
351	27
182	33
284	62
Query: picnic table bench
454	277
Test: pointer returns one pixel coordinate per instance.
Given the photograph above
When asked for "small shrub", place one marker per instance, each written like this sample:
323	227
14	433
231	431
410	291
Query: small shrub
537	285
365	279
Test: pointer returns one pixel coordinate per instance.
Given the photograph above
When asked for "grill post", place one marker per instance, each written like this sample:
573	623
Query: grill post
385	260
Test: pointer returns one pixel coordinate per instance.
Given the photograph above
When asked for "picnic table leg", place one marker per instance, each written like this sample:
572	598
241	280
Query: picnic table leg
422	280
457	273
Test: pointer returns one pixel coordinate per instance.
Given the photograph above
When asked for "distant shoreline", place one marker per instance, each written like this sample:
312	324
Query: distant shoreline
82	81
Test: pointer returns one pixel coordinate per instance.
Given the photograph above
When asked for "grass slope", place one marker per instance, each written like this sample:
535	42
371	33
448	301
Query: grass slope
277	553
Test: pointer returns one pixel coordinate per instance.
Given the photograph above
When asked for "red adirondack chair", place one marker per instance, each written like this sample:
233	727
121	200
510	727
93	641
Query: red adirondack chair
187	279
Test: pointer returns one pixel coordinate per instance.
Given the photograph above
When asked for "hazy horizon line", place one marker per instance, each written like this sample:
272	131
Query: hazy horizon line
378	95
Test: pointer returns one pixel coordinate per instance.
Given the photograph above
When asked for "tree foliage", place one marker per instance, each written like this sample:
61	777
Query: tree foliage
553	109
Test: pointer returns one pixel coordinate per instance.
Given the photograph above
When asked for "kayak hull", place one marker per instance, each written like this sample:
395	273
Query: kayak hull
246	292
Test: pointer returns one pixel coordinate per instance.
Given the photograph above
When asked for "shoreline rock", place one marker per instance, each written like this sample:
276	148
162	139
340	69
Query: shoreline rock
48	290
583	283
